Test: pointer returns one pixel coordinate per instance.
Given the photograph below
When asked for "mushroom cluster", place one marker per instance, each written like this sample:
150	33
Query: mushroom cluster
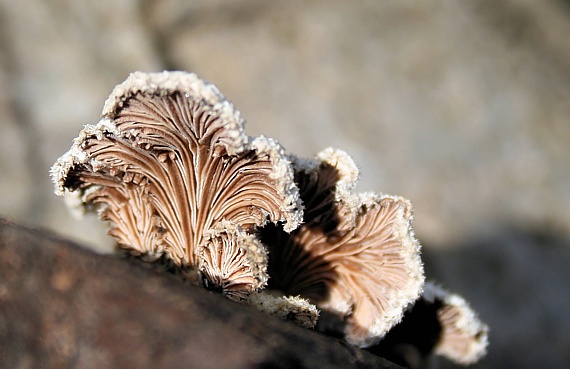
171	168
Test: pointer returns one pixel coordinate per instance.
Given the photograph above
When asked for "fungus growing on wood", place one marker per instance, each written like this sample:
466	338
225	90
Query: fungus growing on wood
293	308
170	167
168	163
355	256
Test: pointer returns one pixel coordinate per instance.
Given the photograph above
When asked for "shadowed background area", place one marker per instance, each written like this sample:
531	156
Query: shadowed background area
461	107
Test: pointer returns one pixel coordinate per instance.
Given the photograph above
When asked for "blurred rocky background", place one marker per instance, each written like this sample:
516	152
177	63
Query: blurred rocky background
462	107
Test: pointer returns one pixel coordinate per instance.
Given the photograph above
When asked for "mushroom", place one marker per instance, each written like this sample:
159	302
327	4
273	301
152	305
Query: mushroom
439	322
232	261
355	256
169	165
294	308
463	338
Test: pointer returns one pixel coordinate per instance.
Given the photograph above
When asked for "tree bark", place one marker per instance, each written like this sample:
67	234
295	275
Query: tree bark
63	306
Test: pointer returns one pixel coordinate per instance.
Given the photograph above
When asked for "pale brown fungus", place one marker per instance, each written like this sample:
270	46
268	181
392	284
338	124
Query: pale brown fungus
170	167
439	322
232	261
463	337
169	161
355	256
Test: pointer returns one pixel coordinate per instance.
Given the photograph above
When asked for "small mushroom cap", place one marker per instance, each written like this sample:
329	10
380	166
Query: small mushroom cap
140	228
356	255
379	268
293	308
178	146
463	338
232	261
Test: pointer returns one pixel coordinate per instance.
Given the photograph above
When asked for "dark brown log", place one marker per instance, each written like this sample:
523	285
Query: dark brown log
62	306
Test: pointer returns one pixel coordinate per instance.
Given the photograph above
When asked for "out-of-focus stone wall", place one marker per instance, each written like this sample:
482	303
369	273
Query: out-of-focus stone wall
462	107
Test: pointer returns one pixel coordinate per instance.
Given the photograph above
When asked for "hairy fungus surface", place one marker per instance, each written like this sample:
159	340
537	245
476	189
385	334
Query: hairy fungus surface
293	308
168	162
355	255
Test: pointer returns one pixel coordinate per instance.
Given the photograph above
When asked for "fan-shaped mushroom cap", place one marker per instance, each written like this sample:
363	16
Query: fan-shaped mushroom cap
356	255
232	261
463	337
379	268
170	160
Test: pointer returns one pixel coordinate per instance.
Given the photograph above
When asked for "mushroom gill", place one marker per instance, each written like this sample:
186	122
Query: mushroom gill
169	161
232	261
356	256
379	268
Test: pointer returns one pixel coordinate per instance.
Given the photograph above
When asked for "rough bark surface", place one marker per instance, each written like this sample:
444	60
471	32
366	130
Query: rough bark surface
62	306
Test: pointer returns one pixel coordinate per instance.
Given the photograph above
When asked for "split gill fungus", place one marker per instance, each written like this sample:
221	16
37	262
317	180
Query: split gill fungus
439	323
170	167
355	255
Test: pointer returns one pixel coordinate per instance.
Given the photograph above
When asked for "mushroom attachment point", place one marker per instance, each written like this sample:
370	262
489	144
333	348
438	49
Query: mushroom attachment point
168	163
293	308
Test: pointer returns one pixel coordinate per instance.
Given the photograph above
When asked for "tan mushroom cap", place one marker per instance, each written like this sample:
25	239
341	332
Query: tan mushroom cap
140	228
463	338
233	261
355	256
379	266
169	161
